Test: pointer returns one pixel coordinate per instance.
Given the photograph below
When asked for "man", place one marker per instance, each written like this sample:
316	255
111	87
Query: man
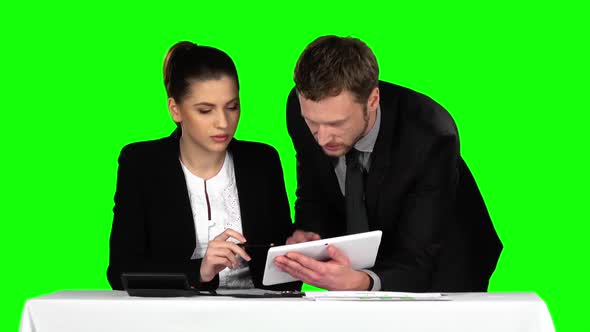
376	156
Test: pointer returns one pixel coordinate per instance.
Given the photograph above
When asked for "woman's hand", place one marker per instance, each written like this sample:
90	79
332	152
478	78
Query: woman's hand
221	254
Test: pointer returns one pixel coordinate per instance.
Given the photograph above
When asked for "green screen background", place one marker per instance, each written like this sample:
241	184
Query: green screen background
81	80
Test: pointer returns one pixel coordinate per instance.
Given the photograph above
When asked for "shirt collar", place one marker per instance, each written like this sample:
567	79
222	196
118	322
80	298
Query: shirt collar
367	143
218	182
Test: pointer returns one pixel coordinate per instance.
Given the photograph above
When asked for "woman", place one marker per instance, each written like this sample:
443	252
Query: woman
184	202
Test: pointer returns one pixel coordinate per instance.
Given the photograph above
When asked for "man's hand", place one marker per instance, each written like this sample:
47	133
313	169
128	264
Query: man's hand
301	236
335	274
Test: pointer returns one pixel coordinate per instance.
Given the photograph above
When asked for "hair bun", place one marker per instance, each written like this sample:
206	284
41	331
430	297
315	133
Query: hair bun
172	57
186	62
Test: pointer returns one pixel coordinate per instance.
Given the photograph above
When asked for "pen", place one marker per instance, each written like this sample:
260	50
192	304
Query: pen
248	245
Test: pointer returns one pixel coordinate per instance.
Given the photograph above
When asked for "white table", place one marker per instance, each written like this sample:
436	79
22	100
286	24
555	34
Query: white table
116	311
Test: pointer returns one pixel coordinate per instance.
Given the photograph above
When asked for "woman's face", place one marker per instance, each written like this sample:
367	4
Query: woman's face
209	113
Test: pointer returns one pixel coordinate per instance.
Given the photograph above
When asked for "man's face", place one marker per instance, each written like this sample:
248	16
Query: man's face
338	122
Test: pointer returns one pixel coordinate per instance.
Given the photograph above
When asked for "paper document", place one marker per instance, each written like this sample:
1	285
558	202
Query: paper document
374	296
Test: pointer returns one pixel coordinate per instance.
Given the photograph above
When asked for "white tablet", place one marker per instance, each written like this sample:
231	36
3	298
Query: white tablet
360	248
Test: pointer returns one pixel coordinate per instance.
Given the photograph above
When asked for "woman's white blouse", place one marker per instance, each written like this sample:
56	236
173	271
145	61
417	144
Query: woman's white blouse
216	207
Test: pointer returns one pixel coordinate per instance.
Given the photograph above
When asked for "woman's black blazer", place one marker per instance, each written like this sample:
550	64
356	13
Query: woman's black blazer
153	228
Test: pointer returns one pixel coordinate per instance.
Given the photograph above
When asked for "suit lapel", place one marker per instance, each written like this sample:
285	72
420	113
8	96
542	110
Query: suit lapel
330	178
247	189
178	189
381	155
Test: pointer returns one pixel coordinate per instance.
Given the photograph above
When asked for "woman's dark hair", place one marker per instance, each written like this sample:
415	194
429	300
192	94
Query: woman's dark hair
186	62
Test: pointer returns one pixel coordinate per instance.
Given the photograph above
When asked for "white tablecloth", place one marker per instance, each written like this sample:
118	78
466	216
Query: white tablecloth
116	311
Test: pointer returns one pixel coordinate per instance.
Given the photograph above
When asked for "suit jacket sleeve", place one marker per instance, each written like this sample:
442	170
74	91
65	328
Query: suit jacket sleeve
129	246
407	260
311	212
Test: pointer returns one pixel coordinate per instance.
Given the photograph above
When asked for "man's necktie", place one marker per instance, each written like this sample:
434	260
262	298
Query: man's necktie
356	212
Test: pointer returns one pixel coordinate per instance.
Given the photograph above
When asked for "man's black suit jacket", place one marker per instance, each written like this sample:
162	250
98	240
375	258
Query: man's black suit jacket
437	234
153	228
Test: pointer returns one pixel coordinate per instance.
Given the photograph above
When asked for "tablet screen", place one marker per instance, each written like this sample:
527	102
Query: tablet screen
360	248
